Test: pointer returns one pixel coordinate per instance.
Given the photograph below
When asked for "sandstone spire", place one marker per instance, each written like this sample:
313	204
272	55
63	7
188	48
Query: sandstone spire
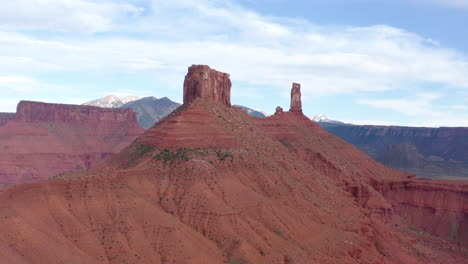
296	105
203	82
279	110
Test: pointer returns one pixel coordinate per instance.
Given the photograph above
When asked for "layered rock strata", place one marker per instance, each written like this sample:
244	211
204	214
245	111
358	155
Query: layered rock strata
49	139
6	117
296	104
203	82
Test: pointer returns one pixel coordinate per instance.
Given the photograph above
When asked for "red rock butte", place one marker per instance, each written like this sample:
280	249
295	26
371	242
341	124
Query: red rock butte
42	140
28	111
203	82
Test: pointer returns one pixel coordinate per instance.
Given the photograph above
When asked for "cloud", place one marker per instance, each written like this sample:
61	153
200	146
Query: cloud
459	107
420	105
21	84
423	109
63	15
162	38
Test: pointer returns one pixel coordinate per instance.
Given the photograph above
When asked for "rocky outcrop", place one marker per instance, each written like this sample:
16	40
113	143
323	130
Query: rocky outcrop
389	194
6	117
203	82
296	104
28	111
279	110
49	139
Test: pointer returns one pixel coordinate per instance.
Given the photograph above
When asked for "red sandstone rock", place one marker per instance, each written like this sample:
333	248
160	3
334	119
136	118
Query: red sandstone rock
296	104
49	139
208	184
203	82
28	111
6	117
279	110
388	193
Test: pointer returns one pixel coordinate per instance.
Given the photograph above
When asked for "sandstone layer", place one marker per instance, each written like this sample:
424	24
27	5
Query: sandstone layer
203	82
296	104
49	139
6	117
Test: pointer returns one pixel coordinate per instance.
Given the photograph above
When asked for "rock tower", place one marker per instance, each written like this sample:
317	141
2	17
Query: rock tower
203	82
296	105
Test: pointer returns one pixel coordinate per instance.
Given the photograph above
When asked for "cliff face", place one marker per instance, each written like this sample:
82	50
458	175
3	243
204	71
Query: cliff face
441	151
6	117
28	111
203	82
439	208
48	139
296	104
448	143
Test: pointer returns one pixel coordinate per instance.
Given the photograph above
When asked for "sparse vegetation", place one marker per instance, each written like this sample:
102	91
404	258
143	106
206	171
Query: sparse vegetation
170	158
139	151
222	156
279	233
283	141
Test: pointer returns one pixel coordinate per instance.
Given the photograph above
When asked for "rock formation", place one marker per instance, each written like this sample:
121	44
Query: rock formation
207	184
441	151
296	104
48	139
28	111
279	110
203	82
6	117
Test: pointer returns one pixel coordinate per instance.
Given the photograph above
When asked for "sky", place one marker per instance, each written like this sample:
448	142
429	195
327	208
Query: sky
389	62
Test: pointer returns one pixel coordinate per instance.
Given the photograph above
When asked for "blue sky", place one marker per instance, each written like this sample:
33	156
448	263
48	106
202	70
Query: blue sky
398	62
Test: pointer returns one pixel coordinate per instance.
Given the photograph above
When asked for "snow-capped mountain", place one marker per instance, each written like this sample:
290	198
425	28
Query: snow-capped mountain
321	118
253	112
112	101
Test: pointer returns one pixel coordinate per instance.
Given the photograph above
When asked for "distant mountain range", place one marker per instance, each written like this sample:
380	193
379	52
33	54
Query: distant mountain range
427	152
321	118
112	101
252	112
150	109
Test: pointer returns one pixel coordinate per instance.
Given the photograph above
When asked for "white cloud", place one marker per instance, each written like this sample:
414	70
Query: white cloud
63	15
22	84
420	105
459	107
8	105
254	49
422	108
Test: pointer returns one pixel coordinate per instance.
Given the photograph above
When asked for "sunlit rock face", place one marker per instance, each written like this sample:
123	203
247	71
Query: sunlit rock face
203	82
296	104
